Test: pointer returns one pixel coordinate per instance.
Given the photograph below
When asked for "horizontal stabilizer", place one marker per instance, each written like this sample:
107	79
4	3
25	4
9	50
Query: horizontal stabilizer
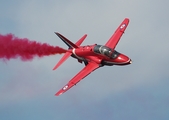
70	45
79	42
67	54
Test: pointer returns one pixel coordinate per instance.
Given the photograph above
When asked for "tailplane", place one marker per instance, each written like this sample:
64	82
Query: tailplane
70	45
65	57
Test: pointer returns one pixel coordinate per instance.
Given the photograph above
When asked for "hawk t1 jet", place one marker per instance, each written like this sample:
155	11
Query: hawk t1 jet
93	56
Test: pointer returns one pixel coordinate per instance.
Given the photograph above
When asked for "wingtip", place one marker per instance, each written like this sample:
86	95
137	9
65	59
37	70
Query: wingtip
56	33
54	68
127	19
57	94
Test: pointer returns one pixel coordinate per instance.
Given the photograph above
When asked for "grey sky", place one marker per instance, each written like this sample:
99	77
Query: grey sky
135	92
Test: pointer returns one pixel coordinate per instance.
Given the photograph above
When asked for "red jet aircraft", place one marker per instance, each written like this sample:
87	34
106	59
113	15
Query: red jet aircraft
93	56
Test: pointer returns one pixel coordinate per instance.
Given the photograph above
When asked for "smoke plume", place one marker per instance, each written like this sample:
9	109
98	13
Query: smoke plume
12	47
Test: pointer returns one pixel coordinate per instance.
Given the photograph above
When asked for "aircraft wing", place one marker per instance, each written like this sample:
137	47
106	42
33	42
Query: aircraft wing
91	66
112	42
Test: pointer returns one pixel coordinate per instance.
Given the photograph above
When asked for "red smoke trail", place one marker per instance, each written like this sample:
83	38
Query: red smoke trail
14	47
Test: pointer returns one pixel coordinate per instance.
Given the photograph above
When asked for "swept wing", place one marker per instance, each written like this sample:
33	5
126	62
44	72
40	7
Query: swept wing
91	66
112	42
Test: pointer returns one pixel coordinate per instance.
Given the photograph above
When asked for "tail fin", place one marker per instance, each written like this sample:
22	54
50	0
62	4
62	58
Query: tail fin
66	41
70	45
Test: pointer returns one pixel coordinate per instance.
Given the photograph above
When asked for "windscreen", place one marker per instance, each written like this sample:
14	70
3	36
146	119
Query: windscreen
105	51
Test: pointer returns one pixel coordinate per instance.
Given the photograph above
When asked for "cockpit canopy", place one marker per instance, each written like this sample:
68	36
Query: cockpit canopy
100	49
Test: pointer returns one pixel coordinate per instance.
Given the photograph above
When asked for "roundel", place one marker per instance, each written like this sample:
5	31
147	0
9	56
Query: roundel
64	88
122	26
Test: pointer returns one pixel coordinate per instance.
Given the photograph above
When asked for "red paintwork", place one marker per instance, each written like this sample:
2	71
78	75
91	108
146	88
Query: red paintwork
112	42
94	56
68	54
83	73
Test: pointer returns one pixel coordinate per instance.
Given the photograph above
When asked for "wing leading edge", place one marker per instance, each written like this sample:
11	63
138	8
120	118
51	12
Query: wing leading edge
83	73
112	42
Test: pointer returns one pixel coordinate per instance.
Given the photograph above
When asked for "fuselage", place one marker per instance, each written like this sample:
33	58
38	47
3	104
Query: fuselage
99	54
